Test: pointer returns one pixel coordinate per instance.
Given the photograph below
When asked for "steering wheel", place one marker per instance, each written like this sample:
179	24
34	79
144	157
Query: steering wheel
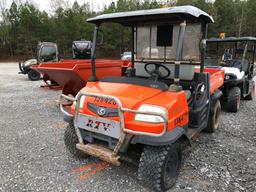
155	73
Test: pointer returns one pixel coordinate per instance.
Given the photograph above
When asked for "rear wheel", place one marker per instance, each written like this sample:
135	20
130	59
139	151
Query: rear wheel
159	166
214	119
34	75
234	99
252	94
70	140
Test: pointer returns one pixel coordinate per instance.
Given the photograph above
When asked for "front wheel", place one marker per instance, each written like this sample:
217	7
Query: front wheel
159	166
70	140
214	118
34	75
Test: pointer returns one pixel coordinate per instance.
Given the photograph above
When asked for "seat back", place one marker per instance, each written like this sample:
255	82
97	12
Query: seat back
187	72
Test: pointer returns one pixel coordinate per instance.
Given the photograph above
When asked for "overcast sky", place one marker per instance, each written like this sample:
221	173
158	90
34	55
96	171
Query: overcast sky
45	4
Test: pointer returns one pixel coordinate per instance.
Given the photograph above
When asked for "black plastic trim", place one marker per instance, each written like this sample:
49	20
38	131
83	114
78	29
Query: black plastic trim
110	112
68	119
167	139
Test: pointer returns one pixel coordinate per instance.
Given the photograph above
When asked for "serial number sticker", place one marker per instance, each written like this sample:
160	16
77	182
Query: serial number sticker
99	125
104	100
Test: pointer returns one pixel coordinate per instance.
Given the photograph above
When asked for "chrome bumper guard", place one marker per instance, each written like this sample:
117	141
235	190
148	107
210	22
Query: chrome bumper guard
121	112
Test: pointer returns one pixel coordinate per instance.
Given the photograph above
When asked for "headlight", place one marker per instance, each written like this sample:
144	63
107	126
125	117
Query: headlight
81	104
151	118
230	76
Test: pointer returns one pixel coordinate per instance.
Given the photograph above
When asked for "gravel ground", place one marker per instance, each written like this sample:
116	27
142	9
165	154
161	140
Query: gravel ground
33	156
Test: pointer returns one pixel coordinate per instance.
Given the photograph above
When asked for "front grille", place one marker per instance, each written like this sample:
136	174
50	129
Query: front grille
104	140
109	112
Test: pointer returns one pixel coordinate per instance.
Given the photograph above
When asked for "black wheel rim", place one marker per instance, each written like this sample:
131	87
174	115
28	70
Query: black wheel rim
34	76
171	170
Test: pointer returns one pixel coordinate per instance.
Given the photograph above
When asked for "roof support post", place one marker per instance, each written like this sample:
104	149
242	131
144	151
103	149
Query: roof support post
94	78
203	46
132	44
130	72
254	52
179	52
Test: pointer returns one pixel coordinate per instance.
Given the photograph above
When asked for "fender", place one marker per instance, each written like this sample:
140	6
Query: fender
167	139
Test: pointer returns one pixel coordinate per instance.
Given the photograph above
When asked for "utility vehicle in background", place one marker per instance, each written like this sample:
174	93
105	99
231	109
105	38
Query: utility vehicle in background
236	56
127	55
167	96
81	49
46	51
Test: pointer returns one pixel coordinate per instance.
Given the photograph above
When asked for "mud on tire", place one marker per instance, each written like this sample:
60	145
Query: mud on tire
159	166
70	140
233	100
214	118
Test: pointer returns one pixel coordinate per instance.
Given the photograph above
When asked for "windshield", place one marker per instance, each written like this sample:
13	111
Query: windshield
219	52
48	53
160	42
82	45
127	53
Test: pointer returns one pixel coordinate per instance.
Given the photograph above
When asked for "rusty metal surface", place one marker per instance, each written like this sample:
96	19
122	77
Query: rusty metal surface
102	153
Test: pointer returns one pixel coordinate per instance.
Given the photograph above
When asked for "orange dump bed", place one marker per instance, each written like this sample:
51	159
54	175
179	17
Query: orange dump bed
72	75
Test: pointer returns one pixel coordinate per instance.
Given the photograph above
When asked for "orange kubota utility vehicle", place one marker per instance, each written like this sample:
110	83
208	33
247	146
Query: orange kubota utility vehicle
166	97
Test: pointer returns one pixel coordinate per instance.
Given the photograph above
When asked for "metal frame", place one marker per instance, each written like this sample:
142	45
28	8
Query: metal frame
121	112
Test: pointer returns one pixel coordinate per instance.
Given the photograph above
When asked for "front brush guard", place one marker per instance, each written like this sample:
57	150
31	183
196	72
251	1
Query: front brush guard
95	150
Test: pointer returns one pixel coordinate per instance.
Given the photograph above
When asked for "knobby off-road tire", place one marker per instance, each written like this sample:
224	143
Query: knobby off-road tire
159	166
214	119
70	140
34	75
234	99
252	94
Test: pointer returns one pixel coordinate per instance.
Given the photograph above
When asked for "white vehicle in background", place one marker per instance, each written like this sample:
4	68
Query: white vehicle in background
236	56
126	56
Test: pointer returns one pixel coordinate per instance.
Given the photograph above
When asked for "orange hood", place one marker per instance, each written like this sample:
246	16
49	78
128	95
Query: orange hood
130	95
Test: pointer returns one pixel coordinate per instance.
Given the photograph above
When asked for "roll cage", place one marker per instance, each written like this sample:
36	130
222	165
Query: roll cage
242	48
179	16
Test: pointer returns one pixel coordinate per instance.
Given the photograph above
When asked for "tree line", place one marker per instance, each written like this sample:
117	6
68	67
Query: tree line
23	25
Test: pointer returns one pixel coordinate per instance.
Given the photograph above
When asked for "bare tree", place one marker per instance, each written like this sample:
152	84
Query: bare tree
3	5
55	4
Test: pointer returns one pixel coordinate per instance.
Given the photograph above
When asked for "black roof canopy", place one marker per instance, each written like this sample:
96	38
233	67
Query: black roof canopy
231	39
189	13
